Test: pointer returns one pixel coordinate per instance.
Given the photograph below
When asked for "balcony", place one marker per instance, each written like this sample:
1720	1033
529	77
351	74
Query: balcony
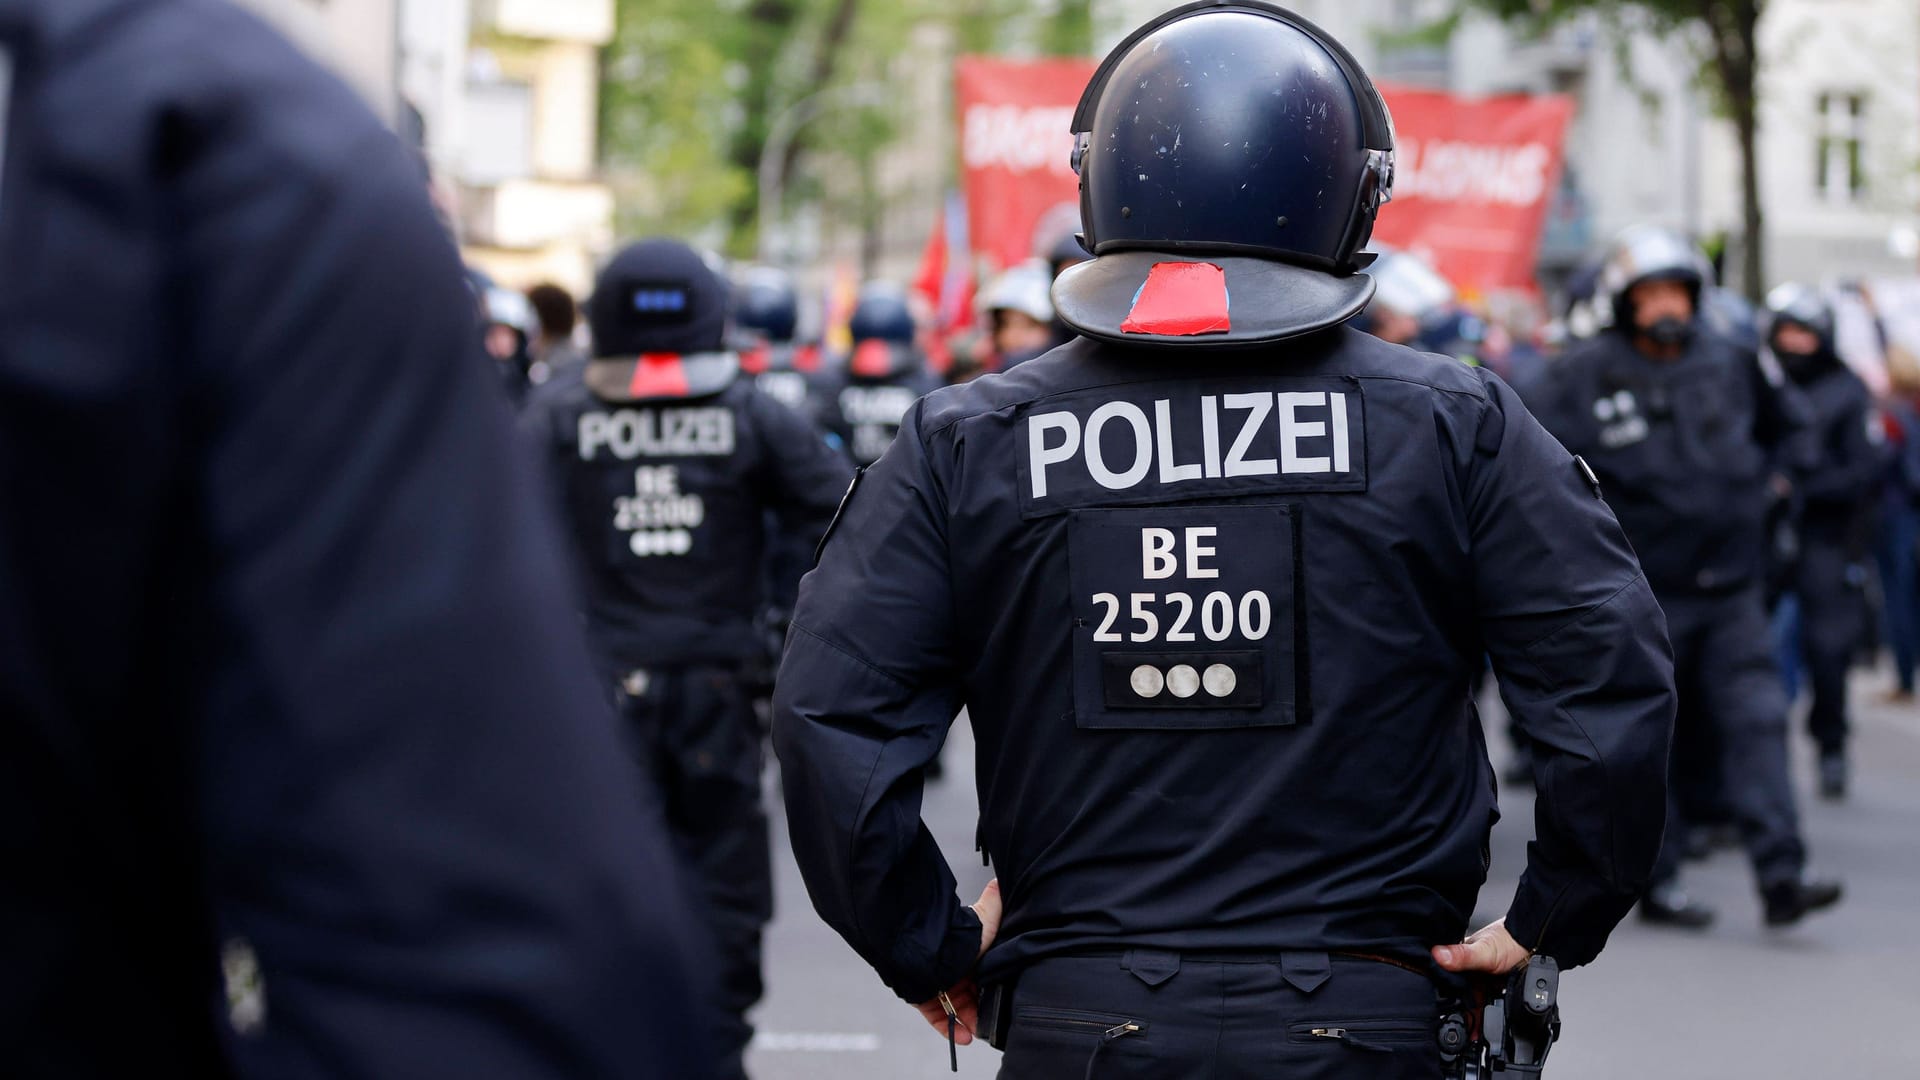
583	22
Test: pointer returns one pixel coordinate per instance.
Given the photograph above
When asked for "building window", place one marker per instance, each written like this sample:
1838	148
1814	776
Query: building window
1840	172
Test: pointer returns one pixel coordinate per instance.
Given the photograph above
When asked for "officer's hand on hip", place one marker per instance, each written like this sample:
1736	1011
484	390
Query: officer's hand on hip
965	997
1488	951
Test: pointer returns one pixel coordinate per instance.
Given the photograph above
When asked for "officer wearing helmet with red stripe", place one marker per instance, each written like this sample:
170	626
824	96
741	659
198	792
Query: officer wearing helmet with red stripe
669	463
863	402
1213	582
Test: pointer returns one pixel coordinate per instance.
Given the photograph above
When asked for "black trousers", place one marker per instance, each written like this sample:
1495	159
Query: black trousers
1159	1015
695	734
1833	618
1724	667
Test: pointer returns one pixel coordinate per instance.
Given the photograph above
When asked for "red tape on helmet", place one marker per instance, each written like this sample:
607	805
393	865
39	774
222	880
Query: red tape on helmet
1180	299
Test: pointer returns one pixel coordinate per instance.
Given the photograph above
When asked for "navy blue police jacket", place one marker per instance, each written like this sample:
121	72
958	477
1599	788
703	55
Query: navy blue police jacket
1683	450
667	495
303	768
864	412
1838	488
1215	620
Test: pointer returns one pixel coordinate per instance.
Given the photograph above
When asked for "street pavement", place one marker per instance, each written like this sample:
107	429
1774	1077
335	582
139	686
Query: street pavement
1837	997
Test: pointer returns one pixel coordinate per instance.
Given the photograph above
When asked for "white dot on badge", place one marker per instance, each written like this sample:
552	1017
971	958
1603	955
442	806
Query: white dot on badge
1183	681
641	543
1147	681
679	541
1219	680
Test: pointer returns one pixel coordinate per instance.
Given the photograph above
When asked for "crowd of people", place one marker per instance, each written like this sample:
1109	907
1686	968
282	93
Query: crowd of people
1771	497
313	771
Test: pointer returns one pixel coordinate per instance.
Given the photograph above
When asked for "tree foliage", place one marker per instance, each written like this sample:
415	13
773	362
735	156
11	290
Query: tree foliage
691	89
1724	34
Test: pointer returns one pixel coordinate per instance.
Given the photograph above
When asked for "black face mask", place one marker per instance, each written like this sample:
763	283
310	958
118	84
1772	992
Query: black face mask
1668	331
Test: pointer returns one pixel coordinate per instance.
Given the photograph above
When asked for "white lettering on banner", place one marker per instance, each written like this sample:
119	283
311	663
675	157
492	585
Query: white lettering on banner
1452	171
1055	439
632	433
1019	138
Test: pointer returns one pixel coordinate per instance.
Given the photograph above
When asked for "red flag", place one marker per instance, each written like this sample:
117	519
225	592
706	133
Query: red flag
1473	179
1014	146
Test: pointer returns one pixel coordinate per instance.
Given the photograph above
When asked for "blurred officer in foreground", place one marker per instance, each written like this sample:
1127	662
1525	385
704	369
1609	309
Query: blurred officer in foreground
1019	312
863	403
1212	582
669	462
304	770
1686	435
1836	497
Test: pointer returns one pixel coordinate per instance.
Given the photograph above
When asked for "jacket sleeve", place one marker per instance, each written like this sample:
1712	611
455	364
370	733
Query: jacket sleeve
419	815
806	478
1783	422
1850	460
864	698
1580	649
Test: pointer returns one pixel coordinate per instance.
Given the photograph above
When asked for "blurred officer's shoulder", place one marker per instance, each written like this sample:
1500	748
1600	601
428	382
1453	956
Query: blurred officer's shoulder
148	86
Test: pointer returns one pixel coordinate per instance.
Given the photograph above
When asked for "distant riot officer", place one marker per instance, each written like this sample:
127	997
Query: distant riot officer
507	325
1212	582
1686	434
766	316
1408	295
1019	314
1836	499
864	402
668	462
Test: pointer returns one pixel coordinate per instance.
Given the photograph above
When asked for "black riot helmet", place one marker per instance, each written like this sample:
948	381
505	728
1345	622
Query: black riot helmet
657	297
1803	306
1236	136
765	303
882	313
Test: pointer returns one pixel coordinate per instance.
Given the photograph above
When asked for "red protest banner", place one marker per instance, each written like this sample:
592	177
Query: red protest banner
1472	182
1473	177
1014	146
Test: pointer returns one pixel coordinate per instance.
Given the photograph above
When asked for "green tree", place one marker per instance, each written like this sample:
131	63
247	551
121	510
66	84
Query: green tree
692	88
1726	35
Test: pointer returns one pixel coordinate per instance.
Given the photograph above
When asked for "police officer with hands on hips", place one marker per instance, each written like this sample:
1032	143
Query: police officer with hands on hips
669	462
1836	497
1213	582
1687	435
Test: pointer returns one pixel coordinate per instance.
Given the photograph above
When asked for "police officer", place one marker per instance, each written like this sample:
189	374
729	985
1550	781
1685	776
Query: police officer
1408	295
1685	433
668	463
303	768
506	332
766	315
1836	499
863	403
1019	314
1212	582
